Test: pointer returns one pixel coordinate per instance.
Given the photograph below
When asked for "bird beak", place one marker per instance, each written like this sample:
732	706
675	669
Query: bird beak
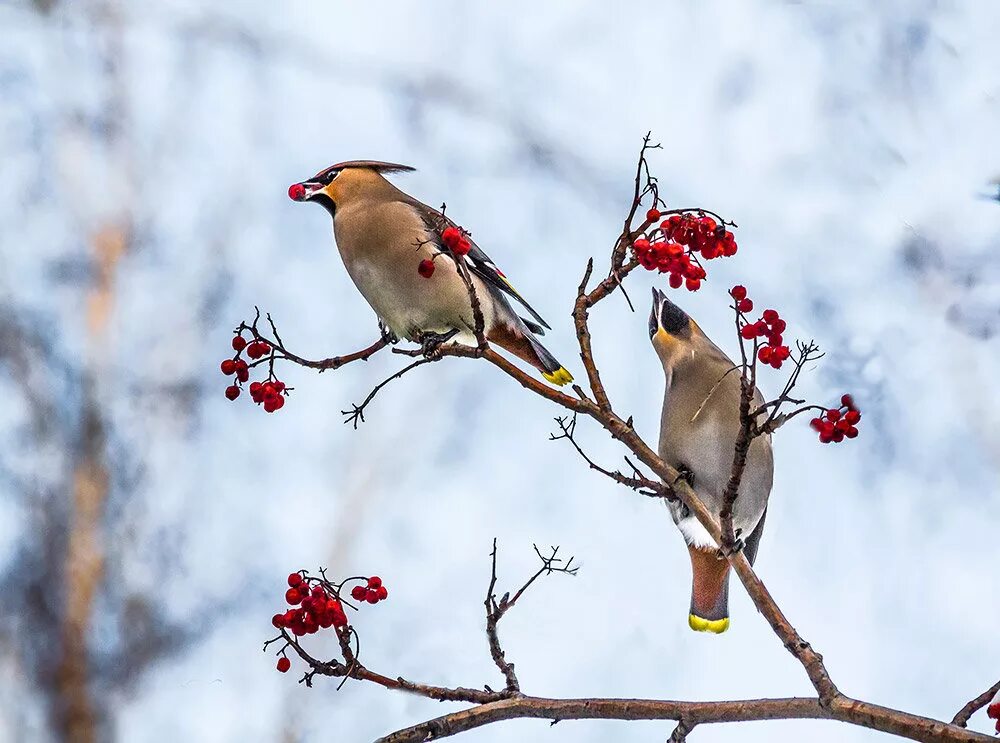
654	313
304	191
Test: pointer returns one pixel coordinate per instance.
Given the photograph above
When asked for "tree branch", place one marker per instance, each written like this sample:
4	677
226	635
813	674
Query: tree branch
962	717
692	713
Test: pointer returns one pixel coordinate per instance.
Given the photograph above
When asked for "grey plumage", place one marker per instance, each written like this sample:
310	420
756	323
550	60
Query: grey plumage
698	429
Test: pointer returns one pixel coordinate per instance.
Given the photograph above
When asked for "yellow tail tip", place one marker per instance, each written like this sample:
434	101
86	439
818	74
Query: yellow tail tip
716	626
559	377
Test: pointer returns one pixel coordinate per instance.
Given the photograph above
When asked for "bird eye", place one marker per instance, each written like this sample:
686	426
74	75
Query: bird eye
331	176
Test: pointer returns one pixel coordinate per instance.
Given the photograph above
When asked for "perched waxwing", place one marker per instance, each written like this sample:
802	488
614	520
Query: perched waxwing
392	247
698	430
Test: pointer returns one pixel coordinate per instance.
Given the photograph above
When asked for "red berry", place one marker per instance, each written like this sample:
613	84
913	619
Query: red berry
271	404
778	326
284	664
228	367
738	292
847	401
851	432
749	331
239	342
764	354
993	711
296	192
782	352
232	392
770	316
462	247
816	424
383	594
278	620
451	236
745	305
374	582
641	245
675	281
833	414
652	215
692	285
358	593
852	416
426	268
292	596
826	436
371	596
775	340
838	436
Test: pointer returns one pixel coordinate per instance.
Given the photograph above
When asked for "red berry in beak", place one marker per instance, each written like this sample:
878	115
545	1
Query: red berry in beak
296	192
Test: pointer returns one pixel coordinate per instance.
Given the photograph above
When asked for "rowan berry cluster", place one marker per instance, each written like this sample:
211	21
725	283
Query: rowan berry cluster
455	240
836	424
993	712
372	593
317	607
673	247
315	604
770	326
271	393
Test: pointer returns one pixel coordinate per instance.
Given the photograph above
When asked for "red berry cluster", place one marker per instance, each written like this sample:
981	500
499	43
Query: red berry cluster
372	593
993	712
317	608
836	424
455	240
674	245
770	326
270	393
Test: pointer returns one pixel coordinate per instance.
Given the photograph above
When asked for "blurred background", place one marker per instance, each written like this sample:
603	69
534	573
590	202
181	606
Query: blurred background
147	523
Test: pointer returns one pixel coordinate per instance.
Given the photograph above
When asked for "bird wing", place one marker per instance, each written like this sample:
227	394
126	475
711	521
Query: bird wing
479	263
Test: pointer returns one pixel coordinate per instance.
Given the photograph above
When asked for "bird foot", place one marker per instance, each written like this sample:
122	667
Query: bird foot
431	342
387	335
684	474
736	547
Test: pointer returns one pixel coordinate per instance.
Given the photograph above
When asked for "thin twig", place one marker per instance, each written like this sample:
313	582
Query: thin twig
962	717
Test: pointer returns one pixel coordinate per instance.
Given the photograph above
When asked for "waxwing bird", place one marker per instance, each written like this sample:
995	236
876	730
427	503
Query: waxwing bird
383	235
698	430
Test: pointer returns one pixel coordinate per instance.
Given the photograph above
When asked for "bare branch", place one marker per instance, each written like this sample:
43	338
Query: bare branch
495	610
962	717
692	713
322	365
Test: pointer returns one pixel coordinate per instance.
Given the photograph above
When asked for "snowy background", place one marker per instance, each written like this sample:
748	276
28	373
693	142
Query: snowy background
147	523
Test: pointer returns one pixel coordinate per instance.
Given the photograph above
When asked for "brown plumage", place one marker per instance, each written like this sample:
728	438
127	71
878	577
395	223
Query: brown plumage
383	234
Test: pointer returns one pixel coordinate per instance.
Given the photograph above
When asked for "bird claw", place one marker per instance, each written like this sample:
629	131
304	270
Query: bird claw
737	547
387	335
684	474
431	343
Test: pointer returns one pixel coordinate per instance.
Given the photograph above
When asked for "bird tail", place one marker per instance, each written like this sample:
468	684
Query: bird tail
709	591
527	348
